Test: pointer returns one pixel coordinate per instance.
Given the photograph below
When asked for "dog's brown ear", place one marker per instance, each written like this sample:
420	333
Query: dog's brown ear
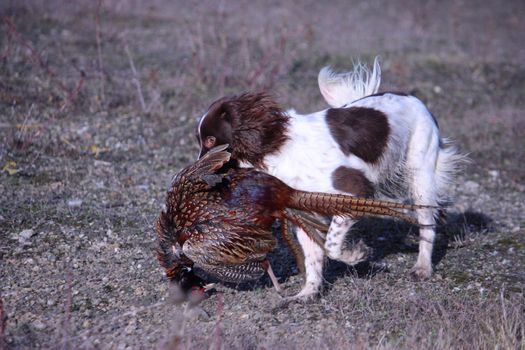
258	127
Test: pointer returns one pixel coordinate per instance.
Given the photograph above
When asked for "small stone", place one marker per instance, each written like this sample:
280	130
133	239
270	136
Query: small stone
74	202
25	235
55	185
98	163
39	325
471	187
130	329
494	174
82	130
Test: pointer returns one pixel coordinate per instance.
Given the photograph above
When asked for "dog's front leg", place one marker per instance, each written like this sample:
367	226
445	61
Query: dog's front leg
313	263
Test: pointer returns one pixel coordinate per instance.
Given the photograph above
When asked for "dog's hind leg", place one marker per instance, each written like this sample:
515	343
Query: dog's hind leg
335	239
421	166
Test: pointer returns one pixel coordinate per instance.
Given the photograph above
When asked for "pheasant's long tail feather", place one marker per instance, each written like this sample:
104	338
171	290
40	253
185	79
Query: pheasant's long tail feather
374	211
294	246
338	204
310	231
310	220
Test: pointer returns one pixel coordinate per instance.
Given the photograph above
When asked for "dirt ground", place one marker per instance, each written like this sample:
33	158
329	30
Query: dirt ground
98	107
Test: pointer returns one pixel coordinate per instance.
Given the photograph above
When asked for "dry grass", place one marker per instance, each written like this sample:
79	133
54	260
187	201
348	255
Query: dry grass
375	320
99	103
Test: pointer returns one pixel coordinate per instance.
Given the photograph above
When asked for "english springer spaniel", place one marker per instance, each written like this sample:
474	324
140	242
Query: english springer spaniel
367	144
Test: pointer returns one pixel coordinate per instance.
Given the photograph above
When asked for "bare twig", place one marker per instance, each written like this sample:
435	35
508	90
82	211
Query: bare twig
3	318
99	52
217	331
97	328
9	38
67	318
22	130
14	35
135	78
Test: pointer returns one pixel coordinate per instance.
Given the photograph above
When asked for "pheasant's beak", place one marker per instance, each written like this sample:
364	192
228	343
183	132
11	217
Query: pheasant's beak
209	286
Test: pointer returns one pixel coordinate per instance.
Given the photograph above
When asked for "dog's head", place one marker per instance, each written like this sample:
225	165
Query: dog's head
252	124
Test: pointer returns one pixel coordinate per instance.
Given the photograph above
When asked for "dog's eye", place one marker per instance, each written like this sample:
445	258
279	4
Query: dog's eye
209	142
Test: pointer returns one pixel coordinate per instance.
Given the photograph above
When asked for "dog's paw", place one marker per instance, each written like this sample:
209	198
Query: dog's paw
421	273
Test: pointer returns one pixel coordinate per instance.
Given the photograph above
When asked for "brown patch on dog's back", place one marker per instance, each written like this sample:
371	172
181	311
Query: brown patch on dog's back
352	181
360	131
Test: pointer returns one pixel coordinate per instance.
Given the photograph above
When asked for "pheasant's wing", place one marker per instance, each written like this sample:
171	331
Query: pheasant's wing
310	219
204	169
231	252
306	226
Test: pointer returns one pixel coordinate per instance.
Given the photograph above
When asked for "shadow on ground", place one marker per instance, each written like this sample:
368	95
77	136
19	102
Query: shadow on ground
384	237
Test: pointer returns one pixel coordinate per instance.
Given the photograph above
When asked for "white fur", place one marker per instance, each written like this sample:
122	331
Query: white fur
313	263
339	89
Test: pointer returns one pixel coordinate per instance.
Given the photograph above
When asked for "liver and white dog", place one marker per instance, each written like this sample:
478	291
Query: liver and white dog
367	144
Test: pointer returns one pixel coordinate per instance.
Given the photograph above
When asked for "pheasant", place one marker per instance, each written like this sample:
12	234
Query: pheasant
218	220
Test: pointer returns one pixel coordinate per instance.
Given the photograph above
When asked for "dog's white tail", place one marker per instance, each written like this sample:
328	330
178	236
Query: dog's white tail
339	89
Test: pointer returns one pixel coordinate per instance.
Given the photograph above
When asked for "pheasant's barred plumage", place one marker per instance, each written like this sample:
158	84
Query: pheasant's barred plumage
219	219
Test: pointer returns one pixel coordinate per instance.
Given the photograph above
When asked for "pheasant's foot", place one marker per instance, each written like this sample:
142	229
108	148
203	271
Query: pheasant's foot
273	278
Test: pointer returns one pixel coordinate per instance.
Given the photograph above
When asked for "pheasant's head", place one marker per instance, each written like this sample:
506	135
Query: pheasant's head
179	268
